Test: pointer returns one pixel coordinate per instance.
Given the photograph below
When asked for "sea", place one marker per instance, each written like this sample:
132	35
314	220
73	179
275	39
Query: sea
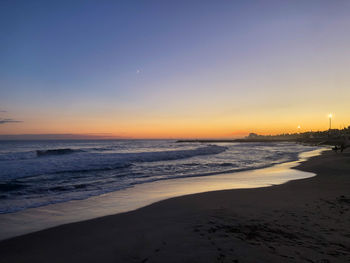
39	173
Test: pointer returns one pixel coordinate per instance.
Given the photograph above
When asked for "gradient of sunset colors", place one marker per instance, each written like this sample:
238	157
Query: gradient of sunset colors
173	69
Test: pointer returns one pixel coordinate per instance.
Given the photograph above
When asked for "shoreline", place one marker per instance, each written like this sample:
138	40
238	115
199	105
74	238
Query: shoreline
141	195
304	220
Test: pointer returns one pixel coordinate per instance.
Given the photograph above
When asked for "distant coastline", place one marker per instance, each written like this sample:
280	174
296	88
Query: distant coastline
235	140
328	137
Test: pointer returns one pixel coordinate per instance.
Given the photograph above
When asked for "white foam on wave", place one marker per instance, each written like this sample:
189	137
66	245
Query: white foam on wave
85	172
84	161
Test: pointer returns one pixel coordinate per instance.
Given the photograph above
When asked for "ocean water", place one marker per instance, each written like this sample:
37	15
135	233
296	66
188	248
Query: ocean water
38	173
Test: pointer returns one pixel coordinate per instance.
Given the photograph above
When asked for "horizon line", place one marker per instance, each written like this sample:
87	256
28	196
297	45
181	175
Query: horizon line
109	136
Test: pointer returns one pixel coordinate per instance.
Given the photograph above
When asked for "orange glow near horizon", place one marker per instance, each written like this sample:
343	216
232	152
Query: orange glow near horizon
220	127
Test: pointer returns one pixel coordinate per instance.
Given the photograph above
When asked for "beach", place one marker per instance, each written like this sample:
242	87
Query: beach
306	220
174	131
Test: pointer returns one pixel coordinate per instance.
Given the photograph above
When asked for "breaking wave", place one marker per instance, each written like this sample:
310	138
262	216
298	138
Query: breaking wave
34	174
55	152
84	162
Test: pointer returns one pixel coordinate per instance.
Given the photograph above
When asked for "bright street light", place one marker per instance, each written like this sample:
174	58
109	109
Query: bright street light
330	120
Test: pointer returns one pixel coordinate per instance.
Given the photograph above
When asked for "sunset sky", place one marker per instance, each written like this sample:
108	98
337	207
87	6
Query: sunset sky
173	69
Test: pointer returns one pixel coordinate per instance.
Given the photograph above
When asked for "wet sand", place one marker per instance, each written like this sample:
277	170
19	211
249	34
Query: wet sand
306	220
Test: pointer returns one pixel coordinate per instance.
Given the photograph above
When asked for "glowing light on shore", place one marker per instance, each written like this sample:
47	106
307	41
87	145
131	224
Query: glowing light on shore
330	116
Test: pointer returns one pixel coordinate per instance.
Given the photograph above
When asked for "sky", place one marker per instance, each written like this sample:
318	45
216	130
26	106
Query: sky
173	69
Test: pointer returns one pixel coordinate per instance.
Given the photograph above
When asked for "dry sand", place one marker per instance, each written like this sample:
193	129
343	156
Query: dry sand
306	220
